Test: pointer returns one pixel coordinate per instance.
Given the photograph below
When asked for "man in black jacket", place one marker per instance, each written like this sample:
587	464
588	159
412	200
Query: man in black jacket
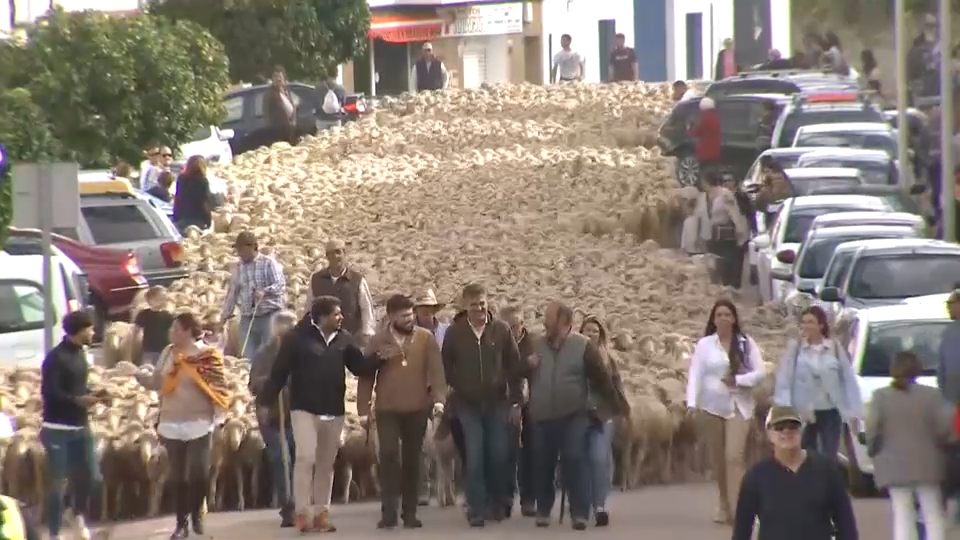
796	495
481	362
312	360
65	432
429	73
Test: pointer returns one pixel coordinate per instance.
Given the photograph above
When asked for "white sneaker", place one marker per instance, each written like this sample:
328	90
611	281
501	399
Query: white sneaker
80	529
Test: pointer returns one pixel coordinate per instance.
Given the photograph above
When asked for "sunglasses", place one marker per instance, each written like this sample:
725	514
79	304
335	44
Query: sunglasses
786	426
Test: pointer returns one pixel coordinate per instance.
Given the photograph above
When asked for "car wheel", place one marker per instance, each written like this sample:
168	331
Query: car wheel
688	170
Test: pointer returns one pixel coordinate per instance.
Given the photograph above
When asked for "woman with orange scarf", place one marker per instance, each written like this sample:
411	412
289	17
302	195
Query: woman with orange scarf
193	397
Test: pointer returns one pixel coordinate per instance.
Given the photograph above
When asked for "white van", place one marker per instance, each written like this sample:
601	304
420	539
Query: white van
22	304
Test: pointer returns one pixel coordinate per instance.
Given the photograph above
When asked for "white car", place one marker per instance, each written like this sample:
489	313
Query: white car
847	219
210	142
22	304
867	135
877	166
791	227
806	181
876	335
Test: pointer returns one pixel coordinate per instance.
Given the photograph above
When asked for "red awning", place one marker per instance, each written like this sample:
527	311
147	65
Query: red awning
405	28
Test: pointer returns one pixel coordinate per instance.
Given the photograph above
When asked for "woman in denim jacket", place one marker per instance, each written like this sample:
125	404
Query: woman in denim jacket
816	377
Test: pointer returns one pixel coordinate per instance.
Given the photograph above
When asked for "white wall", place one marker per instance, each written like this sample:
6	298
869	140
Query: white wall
579	18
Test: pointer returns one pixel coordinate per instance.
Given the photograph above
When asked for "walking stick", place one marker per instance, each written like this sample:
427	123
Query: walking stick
246	338
284	449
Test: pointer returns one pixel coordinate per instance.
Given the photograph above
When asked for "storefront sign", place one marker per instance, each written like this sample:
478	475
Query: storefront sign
484	20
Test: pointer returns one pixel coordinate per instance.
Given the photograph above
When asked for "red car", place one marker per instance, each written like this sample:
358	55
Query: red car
113	275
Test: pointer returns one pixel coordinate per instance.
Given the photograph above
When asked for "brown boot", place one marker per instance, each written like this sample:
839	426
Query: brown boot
321	523
302	523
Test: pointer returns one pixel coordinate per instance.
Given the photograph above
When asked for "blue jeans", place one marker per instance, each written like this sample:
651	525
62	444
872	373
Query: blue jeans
823	435
565	438
600	451
486	437
526	460
259	329
70	461
281	487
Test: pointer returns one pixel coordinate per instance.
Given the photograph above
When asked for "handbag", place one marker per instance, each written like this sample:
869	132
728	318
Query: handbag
720	232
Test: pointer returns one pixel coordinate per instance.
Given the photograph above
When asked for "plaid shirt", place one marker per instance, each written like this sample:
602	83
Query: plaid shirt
260	274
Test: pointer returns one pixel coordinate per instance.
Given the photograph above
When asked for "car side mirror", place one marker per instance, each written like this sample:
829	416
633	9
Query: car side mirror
226	134
830	294
781	274
918	189
787	256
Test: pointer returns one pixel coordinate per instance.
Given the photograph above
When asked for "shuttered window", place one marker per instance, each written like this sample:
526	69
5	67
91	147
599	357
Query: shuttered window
474	67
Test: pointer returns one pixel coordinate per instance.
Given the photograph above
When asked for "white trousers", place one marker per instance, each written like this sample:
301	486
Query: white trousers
905	514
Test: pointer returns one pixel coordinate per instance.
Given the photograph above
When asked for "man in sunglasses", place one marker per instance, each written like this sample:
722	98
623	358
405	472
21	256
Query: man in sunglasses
795	494
159	159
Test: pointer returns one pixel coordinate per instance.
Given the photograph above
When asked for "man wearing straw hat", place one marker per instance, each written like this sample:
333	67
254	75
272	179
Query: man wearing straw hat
425	308
350	287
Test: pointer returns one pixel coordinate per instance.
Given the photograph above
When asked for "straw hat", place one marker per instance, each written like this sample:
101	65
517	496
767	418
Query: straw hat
427	299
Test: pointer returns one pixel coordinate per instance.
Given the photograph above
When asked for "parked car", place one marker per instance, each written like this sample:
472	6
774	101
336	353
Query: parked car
791	227
885	272
785	157
115	215
248	121
112	277
877	335
886	219
809	263
739	123
864	135
805	181
210	142
823	108
897	198
876	166
22	304
791	81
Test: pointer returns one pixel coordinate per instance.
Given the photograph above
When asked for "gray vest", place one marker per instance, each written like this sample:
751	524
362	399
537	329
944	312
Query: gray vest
559	386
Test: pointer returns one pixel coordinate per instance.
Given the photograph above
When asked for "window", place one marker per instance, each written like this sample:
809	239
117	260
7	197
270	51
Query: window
849	139
118	224
258	102
874	172
234	108
802	186
904	275
798	225
815	256
735	117
69	232
21	306
797	119
837	269
885	340
202	134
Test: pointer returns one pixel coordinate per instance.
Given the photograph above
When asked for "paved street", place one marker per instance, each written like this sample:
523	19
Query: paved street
656	513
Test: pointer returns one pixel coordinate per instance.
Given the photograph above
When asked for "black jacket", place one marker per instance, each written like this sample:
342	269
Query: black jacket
316	371
482	372
63	378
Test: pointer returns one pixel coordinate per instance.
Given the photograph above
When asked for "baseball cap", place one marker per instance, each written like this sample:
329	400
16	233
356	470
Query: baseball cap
779	415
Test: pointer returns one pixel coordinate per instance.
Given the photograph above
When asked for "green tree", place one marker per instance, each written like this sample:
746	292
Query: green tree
27	137
110	85
306	37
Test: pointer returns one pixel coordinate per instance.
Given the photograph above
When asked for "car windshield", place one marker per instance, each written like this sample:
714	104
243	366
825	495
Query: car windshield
873	172
904	275
798	224
202	134
850	139
118	224
21	306
837	268
885	340
825	115
804	186
815	256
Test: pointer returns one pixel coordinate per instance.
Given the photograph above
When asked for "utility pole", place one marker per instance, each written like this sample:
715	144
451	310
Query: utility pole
947	176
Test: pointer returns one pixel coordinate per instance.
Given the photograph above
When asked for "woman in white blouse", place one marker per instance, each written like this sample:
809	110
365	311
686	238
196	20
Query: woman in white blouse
725	366
816	377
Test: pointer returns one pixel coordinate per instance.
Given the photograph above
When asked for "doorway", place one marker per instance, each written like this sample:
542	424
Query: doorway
607	33
390	59
694	46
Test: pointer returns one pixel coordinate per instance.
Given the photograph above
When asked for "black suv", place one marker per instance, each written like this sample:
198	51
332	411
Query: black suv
781	82
739	130
823	107
247	118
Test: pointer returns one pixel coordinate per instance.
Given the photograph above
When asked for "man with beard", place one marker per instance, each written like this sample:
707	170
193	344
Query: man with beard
410	385
481	362
350	287
521	458
562	368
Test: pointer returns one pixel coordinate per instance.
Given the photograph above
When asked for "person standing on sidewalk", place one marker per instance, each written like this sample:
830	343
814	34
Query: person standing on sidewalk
312	360
481	362
65	432
410	387
795	494
724	367
350	287
564	366
259	288
907	427
521	457
268	415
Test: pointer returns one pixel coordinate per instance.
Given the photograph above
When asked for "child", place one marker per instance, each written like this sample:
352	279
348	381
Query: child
152	325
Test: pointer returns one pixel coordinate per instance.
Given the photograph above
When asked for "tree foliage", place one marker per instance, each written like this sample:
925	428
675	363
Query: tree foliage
111	85
307	37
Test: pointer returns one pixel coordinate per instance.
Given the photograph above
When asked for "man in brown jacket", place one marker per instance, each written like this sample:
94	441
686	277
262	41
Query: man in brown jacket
348	285
410	386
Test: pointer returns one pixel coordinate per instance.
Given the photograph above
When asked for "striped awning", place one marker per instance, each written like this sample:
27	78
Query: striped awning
405	28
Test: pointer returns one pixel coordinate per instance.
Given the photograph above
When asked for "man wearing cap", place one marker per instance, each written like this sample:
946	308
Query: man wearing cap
350	287
425	309
429	73
794	494
258	289
410	386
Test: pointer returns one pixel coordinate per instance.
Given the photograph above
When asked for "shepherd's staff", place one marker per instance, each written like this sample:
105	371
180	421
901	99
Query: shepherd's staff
246	338
284	448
